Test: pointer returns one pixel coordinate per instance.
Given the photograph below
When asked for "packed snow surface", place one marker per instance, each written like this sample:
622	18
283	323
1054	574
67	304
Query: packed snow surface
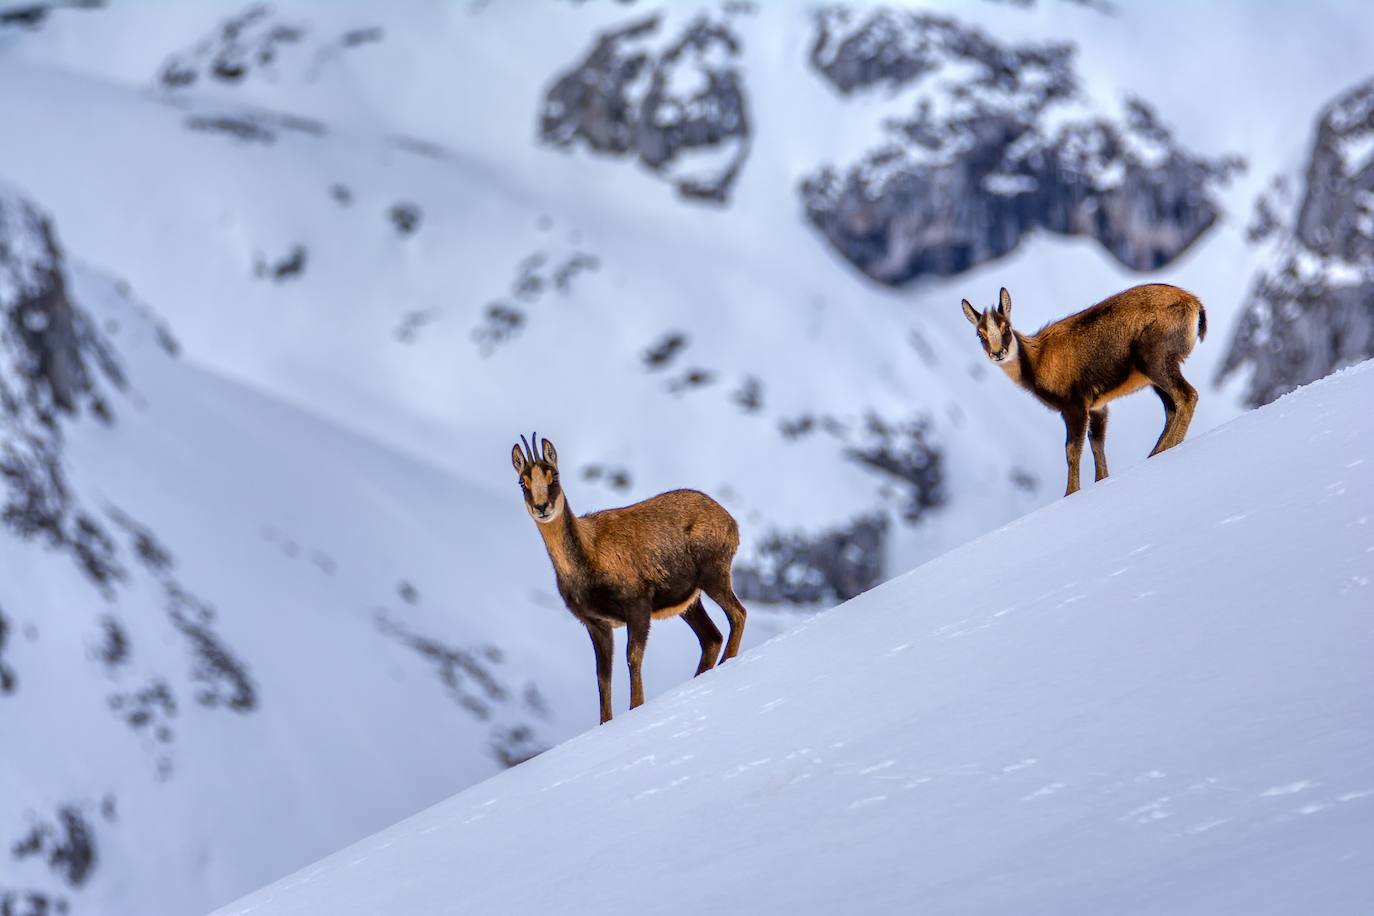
1151	697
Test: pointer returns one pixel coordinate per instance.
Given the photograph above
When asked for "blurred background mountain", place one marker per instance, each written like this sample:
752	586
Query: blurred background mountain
280	285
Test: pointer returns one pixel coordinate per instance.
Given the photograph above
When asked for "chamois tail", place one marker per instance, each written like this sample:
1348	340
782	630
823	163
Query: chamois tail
1201	322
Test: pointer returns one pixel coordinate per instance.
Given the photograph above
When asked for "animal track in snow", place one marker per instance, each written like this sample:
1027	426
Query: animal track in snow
1204	826
1043	791
876	767
1290	789
1156	810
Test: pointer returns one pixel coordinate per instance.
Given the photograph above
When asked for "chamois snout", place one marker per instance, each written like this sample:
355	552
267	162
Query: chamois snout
538	480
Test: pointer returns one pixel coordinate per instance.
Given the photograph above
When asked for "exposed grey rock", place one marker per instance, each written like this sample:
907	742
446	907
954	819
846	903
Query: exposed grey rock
623	98
8	680
405	217
978	166
223	678
665	351
614	477
535	277
1313	311
291	266
258	41
34	15
52	362
799	568
66	843
469	676
904	452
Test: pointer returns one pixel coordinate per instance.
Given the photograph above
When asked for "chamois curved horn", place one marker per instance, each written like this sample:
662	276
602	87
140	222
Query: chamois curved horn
529	455
534	447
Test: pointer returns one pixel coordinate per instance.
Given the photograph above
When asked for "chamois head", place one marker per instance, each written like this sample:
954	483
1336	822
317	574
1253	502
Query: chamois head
538	479
994	328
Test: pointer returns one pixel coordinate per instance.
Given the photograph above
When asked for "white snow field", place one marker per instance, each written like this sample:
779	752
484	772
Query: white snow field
1151	697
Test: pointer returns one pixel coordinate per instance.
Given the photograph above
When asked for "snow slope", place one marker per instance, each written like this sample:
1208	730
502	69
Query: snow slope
396	626
327	459
1152	697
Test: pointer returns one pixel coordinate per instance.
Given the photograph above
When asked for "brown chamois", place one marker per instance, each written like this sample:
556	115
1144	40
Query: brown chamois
1079	364
626	567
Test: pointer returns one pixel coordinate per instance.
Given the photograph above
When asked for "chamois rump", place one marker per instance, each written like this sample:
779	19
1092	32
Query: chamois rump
626	567
1079	364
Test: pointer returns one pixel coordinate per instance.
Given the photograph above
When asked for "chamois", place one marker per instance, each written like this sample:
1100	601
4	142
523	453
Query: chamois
625	567
1077	365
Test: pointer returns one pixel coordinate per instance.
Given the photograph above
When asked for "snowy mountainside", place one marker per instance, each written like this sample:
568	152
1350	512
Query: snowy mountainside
1119	703
379	261
237	593
380	189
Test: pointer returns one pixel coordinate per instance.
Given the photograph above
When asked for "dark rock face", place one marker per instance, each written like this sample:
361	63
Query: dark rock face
258	41
904	452
830	566
8	681
55	365
1313	312
66	843
977	166
625	98
470	675
51	363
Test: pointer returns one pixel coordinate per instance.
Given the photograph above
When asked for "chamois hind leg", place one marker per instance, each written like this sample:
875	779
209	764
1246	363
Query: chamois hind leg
1097	435
638	637
707	634
603	643
721	590
1075	425
1180	399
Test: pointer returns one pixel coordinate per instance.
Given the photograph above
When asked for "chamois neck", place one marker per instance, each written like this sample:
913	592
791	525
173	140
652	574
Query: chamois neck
1021	369
563	540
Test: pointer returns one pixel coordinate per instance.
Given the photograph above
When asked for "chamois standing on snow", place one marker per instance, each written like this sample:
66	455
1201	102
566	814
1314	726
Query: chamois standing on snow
626	567
1077	365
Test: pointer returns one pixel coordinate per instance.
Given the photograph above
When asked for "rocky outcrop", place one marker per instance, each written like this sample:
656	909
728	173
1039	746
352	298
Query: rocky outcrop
679	110
1000	143
1312	312
52	362
259	42
801	568
470	675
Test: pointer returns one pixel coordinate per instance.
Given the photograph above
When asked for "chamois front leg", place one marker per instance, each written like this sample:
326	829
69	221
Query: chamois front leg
604	645
637	628
1075	426
1097	435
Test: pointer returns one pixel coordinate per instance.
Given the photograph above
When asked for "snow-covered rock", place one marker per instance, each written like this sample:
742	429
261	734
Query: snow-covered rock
1310	310
1001	143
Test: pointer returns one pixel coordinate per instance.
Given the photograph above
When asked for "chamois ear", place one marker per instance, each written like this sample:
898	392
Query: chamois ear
1004	304
550	454
970	312
517	458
